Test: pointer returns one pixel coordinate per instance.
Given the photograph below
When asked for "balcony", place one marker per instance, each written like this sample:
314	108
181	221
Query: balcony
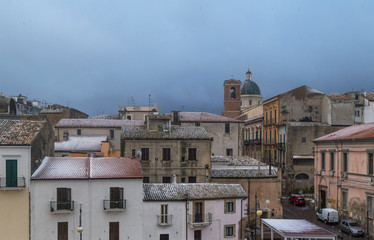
280	145
164	220
114	205
7	183
62	207
199	220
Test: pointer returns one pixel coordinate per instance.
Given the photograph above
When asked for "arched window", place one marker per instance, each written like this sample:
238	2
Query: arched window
302	176
232	93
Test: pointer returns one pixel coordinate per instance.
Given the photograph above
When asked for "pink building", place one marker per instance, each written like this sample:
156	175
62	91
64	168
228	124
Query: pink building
344	172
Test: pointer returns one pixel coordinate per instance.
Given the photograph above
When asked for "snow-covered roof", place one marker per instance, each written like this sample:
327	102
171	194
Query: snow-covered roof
363	131
297	228
54	168
236	160
81	144
175	132
97	123
204	117
191	191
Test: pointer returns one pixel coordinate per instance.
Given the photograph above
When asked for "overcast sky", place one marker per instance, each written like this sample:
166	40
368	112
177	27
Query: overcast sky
96	55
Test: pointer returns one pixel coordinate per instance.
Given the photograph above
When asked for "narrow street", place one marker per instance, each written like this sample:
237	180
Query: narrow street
307	212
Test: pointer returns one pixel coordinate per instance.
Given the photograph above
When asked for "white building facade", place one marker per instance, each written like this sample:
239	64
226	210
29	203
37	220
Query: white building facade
108	191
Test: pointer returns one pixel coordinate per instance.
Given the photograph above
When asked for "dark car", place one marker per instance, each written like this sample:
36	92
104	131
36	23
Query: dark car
297	200
351	227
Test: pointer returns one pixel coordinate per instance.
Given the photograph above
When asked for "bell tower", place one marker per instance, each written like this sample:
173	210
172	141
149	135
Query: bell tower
231	98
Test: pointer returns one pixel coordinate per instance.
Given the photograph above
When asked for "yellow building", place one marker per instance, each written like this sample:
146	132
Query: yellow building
22	146
270	124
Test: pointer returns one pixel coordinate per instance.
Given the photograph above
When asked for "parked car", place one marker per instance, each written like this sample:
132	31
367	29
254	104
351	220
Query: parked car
351	227
328	215
297	200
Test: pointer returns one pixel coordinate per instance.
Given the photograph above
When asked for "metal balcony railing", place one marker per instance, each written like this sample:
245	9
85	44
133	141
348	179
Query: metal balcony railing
198	220
280	145
8	182
114	205
164	220
57	206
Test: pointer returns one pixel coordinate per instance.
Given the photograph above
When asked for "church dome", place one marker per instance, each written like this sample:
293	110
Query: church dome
249	87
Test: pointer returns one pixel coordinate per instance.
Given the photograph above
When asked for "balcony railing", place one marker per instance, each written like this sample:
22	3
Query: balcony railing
62	207
164	220
198	220
8	183
114	205
280	145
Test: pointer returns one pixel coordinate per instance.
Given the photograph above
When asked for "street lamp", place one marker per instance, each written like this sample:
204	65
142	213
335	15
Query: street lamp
80	228
258	212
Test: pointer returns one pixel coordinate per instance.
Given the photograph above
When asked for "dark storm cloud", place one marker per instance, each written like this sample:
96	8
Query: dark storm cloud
95	55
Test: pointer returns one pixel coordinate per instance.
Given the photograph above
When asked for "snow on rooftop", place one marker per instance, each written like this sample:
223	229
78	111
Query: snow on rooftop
80	143
363	131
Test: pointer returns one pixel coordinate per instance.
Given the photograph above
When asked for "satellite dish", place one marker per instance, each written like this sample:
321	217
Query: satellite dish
138	154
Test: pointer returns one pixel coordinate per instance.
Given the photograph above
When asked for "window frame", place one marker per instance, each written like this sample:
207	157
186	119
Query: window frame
370	163
345	161
332	161
323	160
230	207
229	152
192	154
79	132
111	133
145	154
229	233
164	214
166	154
227	127
344	197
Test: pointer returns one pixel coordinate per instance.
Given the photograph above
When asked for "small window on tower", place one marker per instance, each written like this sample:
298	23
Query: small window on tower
232	93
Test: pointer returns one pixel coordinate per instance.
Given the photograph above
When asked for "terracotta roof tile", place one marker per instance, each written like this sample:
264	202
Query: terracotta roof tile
87	168
192	191
97	123
204	117
363	131
339	96
19	132
370	96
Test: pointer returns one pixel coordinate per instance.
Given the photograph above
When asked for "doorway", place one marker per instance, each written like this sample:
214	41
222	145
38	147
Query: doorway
197	235
11	173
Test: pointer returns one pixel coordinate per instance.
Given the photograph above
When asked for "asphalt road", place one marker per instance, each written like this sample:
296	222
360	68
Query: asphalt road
307	212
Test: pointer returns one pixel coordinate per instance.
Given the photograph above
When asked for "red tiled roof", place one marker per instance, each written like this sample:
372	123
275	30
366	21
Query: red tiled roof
363	131
370	96
19	132
87	168
204	117
339	96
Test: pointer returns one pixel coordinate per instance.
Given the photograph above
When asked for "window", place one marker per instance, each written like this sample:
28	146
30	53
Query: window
145	154
116	197
128	117
275	115
229	231
166	180
111	133
197	124
183	179
232	93
271	116
275	156
323	161
164	236
133	153
344	199
302	176
64	199
192	154
192	179
303	139
166	154
145	179
79	132
345	162
229	206
250	102
357	113
176	117
369	205
164	214
66	135
227	127
198	210
228	151
11	173
332	162
370	163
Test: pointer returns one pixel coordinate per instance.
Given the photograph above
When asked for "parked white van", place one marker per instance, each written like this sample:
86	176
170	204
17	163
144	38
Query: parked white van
328	215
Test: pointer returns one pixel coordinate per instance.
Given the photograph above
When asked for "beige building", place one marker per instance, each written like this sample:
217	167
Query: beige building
168	151
136	112
225	132
94	127
344	173
23	145
261	183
